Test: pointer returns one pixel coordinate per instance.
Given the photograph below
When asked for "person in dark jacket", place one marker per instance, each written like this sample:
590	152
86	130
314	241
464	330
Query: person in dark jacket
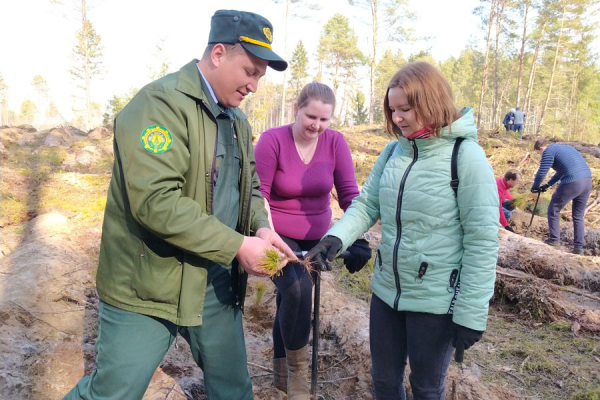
575	185
509	120
185	222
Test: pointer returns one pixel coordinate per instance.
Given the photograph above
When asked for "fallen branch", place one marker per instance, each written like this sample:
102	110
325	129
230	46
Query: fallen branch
259	366
523	364
563	288
523	159
39	319
339	379
594	203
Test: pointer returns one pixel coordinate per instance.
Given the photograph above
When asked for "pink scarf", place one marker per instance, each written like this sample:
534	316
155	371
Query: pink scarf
422	134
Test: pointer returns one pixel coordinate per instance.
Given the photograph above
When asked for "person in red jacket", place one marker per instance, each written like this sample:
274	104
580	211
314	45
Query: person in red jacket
511	179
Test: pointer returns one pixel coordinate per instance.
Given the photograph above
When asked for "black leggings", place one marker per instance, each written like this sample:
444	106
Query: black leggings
291	327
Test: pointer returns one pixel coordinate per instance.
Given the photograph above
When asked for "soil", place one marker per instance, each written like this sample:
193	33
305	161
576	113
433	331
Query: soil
541	341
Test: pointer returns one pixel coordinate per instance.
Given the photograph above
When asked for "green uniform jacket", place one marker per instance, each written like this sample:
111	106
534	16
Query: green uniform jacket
438	250
159	234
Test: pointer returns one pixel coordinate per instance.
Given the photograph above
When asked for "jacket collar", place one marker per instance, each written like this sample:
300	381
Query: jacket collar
462	127
189	83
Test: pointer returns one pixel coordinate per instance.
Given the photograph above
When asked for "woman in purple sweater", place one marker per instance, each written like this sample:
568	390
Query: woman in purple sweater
298	165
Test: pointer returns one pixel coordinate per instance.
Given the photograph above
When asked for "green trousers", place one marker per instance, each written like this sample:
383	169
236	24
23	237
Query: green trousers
130	347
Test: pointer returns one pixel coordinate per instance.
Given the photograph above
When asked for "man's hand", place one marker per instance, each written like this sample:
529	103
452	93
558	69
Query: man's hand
249	255
273	238
324	252
541	189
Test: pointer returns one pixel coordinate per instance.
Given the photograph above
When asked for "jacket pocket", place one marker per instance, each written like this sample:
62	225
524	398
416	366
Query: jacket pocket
157	277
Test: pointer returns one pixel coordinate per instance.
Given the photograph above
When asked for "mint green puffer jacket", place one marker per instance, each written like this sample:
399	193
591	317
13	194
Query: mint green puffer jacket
438	250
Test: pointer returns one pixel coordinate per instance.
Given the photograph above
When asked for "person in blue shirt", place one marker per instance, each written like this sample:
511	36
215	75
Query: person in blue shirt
575	179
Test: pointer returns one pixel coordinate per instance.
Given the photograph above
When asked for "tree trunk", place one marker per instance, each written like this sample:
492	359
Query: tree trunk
522	52
562	23
485	64
284	87
505	86
373	62
500	6
532	72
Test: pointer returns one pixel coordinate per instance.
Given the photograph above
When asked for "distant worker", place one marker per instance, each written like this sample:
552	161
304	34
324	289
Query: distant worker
575	184
519	121
511	179
509	120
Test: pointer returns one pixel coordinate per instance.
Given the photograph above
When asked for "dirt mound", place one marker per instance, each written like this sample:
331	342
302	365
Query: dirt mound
58	137
84	158
100	133
27	128
42	310
539	230
10	135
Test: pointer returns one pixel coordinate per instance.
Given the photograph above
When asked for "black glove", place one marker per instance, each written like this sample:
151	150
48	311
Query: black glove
462	339
508	228
541	189
324	252
360	254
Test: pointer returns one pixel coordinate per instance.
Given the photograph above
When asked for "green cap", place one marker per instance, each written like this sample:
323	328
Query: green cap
252	31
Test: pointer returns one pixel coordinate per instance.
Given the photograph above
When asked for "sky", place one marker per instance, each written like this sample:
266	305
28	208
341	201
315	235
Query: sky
37	39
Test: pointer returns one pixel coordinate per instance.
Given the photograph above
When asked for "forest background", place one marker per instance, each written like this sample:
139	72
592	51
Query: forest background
541	55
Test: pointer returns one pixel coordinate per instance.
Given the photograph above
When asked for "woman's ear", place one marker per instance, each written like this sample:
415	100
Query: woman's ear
296	109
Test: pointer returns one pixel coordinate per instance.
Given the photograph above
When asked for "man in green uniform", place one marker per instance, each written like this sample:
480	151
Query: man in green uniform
185	222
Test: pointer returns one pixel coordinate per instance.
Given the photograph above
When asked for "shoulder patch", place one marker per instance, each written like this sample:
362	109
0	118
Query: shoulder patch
156	139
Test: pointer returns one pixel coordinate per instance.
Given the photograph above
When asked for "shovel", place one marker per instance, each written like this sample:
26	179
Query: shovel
315	343
533	212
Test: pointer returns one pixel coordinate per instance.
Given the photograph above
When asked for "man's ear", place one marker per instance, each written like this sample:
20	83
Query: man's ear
217	54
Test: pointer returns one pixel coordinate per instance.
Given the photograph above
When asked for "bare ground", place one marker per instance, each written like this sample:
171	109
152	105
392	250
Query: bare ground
541	341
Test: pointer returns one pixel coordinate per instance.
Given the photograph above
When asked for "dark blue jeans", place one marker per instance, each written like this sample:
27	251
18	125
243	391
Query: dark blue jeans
518	128
291	327
425	339
507	208
579	192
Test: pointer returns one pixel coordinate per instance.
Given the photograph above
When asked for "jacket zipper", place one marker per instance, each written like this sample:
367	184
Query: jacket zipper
213	169
399	224
246	227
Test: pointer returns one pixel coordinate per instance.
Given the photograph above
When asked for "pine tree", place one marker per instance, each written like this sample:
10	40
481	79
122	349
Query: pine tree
360	115
87	59
298	68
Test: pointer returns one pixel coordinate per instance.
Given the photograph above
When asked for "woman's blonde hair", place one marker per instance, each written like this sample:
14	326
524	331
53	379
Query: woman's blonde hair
427	92
316	91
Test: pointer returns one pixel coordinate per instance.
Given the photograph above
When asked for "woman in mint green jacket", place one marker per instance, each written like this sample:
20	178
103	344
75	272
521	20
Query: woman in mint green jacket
435	267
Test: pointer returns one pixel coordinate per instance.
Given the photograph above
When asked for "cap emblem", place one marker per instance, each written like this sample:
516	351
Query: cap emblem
268	34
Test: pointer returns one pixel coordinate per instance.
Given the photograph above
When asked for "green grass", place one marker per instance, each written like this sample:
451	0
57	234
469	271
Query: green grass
12	209
586	394
543	358
358	284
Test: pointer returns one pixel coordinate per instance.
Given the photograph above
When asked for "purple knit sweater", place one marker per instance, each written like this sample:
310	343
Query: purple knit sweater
298	193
